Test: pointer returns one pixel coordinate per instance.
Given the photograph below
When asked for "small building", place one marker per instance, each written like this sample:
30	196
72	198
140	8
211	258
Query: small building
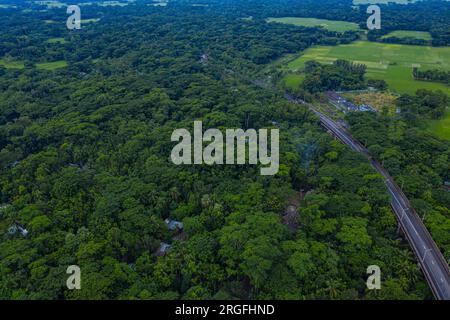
366	108
78	166
17	228
204	58
14	164
447	185
174	225
163	249
4	206
74	165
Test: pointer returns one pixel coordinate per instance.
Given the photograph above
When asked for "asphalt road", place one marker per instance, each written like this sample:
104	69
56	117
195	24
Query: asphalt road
429	257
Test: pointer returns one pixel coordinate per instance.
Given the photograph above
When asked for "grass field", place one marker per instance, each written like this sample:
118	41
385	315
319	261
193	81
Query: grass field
441	128
56	40
89	20
391	62
51	65
9	64
293	80
338	26
52	3
421	35
113	4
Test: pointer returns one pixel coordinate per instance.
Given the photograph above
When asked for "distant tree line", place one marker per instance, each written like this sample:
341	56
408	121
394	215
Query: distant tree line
435	75
432	16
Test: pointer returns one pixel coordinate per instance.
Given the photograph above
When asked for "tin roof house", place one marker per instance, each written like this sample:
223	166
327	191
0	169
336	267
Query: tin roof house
163	249
174	225
17	228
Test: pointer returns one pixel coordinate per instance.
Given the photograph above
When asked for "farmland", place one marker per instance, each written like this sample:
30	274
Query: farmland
378	100
420	35
56	40
10	64
293	80
51	65
391	62
338	26
13	64
441	127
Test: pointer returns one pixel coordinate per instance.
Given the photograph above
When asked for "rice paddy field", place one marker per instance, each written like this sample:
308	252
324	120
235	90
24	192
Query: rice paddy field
51	65
332	25
52	3
6	63
293	80
56	40
391	62
89	20
441	127
421	35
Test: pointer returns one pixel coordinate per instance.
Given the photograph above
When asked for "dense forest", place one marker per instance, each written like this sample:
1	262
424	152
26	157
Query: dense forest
418	160
432	15
424	104
340	75
85	164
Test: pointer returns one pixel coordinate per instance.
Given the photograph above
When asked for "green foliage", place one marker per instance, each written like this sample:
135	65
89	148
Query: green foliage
418	161
341	75
84	166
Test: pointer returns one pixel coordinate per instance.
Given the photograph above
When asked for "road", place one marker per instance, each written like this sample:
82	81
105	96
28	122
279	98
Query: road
434	266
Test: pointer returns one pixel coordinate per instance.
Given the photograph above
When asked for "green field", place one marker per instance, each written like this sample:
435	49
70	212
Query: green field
421	35
441	128
338	26
52	3
51	65
56	40
391	62
293	80
89	20
9	64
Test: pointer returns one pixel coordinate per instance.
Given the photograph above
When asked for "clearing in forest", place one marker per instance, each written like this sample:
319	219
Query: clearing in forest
332	25
391	62
420	35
